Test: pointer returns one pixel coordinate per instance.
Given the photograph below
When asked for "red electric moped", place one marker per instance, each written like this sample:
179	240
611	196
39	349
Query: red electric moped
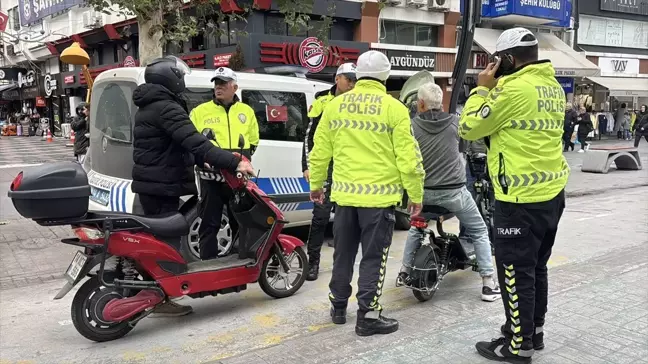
138	258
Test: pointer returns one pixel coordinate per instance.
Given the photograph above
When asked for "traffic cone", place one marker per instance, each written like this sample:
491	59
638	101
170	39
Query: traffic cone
49	136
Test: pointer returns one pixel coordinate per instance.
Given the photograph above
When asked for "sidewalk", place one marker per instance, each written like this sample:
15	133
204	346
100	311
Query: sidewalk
31	254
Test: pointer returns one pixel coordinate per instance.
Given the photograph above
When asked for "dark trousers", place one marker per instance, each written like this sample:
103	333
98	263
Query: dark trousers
582	139
372	228
158	205
524	237
638	136
321	218
567	143
214	196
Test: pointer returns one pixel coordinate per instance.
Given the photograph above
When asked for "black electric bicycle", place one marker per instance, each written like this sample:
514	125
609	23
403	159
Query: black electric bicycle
485	194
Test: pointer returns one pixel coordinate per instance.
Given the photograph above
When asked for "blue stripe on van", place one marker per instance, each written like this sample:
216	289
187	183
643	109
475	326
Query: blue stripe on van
283	185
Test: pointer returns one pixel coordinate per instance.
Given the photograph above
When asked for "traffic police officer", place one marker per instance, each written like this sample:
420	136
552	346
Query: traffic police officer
520	106
368	135
228	118
345	78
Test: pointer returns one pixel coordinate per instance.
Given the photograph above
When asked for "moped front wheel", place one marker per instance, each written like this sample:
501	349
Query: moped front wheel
278	283
87	312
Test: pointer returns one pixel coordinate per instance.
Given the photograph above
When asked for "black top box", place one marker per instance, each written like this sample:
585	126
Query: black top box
51	191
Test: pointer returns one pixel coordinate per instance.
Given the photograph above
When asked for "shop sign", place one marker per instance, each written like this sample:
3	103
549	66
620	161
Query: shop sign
540	9
566	83
11	95
26	79
129	61
411	61
565	72
312	54
32	11
49	84
40	101
222	60
30	92
10	73
619	66
612	32
480	60
68	79
639	7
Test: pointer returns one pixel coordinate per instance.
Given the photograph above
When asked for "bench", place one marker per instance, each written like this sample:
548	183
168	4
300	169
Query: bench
598	160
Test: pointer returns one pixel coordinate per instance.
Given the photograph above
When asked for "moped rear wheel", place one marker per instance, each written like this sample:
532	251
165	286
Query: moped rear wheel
428	278
278	283
87	312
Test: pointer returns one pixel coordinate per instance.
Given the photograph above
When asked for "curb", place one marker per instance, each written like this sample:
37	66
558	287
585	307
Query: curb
599	191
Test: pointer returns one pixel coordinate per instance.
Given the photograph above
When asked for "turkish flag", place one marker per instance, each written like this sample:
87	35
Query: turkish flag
277	114
4	19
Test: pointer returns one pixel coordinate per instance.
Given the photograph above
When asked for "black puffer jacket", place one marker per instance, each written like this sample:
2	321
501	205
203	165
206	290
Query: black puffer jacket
166	144
81	128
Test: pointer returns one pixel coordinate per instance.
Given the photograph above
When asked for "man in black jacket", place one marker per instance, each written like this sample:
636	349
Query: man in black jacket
344	81
81	127
165	144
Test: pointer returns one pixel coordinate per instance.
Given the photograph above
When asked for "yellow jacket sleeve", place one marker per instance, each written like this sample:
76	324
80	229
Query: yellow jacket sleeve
486	112
408	156
195	119
254	129
320	157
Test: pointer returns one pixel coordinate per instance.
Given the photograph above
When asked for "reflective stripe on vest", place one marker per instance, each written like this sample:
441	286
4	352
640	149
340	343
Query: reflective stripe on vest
367	189
540	124
524	180
361	125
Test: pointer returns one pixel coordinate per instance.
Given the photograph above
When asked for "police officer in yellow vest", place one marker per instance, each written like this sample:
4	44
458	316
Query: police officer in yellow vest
368	135
520	107
228	118
344	81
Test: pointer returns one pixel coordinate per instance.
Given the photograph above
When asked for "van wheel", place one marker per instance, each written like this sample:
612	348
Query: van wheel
190	249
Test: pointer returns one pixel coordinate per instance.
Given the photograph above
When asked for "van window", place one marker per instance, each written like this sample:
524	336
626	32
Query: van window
114	110
290	127
197	96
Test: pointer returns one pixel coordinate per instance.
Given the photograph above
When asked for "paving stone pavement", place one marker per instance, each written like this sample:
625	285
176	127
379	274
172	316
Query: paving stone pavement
30	150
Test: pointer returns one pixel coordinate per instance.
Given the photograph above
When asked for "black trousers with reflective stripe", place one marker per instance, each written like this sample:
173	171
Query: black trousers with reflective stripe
373	228
321	218
524	237
215	196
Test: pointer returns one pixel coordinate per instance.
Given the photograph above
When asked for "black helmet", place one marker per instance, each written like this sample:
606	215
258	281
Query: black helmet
169	72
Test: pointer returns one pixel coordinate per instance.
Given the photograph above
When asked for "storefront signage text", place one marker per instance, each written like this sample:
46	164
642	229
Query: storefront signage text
49	84
411	61
10	73
567	84
565	73
540	9
30	92
312	54
619	66
222	60
40	102
26	79
68	79
32	11
480	60
626	6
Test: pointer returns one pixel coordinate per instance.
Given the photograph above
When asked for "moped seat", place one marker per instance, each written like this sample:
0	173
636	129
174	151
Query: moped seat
169	225
434	212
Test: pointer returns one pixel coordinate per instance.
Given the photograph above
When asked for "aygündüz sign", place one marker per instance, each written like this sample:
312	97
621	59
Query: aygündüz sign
411	61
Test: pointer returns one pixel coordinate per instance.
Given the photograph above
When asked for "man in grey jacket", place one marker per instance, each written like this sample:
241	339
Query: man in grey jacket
445	183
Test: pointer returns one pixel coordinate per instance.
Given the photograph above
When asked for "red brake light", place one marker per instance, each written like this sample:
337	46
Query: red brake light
16	182
418	222
89	235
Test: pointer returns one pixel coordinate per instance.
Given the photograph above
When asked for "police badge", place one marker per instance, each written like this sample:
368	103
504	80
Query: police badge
242	118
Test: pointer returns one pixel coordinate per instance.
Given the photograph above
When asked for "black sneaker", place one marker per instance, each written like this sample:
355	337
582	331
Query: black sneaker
491	294
313	272
499	350
403	279
338	315
538	336
381	325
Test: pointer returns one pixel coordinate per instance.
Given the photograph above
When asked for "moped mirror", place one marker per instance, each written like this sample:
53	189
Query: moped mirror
208	133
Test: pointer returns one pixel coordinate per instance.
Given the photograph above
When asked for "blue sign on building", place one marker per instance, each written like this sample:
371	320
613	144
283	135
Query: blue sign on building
566	22
32	11
567	84
550	10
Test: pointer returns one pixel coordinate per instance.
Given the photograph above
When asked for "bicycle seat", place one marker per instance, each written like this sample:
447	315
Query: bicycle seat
170	225
434	212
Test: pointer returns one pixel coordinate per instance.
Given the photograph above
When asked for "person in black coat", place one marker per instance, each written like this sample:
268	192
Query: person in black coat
81	127
165	146
640	126
585	126
568	128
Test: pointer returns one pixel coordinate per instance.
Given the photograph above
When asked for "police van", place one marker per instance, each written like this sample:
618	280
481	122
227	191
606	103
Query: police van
281	104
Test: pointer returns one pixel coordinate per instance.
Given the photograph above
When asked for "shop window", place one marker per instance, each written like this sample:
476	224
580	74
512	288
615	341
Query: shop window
14	17
197	43
289	109
114	111
275	25
409	34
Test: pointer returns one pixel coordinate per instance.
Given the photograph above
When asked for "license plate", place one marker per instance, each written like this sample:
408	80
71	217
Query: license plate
76	266
99	195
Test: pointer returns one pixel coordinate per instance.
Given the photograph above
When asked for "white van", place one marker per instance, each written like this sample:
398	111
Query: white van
277	160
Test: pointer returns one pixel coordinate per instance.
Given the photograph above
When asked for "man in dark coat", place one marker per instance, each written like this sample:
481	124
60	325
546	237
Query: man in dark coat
81	127
165	145
568	128
641	125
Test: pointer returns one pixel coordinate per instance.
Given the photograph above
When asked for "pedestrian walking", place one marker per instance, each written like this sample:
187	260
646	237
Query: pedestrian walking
571	117
368	135
584	121
641	126
165	143
345	78
228	118
81	127
519	104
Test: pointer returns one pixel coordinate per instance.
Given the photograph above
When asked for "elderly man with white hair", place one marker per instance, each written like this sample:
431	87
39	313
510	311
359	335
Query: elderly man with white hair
445	184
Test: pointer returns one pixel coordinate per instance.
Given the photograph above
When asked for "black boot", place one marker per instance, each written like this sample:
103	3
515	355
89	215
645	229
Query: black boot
500	350
538	336
313	271
372	326
338	315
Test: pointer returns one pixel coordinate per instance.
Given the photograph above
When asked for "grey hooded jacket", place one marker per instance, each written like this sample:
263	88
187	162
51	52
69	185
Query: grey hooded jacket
438	138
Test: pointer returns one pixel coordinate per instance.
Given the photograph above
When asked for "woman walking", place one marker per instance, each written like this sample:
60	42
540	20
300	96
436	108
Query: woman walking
585	126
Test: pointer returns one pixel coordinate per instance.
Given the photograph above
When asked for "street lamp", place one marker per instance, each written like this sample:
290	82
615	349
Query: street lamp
75	55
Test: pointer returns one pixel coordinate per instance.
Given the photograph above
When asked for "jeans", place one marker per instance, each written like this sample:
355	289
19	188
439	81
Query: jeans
470	184
460	202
